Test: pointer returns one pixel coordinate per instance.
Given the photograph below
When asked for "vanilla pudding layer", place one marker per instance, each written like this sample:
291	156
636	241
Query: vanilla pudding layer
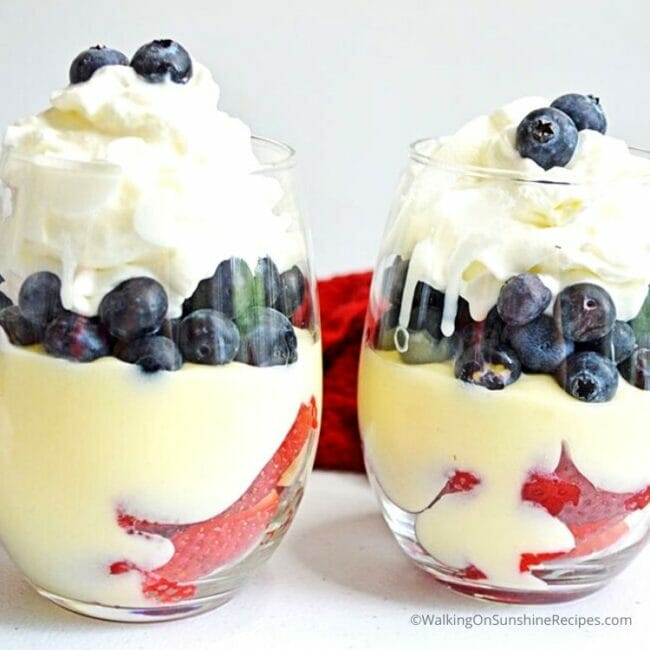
420	424
79	441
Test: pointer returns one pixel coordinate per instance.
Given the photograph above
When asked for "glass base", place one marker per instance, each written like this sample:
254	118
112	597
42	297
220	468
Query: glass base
566	582
139	615
565	579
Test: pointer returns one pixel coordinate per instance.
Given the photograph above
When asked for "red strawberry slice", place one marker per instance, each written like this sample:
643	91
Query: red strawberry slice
529	560
459	481
267	479
305	422
594	516
166	591
570	496
591	538
471	572
203	547
550	492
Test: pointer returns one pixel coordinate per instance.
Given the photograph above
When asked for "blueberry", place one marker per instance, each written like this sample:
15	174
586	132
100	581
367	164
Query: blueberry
231	290
98	56
463	317
539	344
77	338
20	330
422	347
267	283
152	353
636	368
585	111
393	281
641	324
267	338
40	297
384	336
5	301
522	299
493	368
618	345
209	337
488	332
135	308
584	312
588	377
548	137
171	329
426	310
426	294
427	316
292	291
161	60
426	343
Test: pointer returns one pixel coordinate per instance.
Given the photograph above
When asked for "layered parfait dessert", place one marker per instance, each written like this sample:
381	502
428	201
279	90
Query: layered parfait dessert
160	365
504	387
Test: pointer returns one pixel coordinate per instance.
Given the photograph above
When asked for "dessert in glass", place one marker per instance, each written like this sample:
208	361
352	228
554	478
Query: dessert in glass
504	388
160	362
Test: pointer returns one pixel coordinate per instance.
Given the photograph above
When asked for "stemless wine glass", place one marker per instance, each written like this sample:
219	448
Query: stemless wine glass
150	460
507	438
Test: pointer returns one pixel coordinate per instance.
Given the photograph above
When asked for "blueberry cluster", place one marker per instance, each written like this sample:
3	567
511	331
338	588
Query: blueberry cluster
158	61
549	135
237	314
579	341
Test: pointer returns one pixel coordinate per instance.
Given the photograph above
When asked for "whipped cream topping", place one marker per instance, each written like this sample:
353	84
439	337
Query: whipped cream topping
121	177
467	230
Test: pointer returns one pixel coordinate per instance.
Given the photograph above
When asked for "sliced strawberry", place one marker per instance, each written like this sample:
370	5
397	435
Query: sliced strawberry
471	572
550	492
570	496
203	547
594	516
529	560
591	538
305	422
133	525
459	481
166	591
638	501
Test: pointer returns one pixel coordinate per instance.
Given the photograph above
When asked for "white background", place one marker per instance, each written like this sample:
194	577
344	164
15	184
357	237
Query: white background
351	83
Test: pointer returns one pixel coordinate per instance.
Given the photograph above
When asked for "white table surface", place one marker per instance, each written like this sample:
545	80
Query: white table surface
337	581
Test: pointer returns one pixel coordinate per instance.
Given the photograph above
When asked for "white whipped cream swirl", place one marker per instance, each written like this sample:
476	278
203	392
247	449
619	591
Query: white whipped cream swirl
472	217
122	177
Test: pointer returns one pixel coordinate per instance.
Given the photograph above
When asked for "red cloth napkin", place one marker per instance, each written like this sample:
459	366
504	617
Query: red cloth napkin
343	303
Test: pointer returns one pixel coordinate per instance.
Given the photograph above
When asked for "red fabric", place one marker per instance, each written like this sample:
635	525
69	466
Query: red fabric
343	302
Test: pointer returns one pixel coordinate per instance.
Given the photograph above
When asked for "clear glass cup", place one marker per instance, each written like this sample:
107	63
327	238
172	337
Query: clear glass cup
509	455
150	461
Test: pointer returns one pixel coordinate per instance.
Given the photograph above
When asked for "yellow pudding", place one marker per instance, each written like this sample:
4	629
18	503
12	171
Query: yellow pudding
79	441
419	424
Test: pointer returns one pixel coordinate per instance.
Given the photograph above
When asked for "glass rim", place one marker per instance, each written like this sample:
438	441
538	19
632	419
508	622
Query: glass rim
286	154
283	158
517	176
